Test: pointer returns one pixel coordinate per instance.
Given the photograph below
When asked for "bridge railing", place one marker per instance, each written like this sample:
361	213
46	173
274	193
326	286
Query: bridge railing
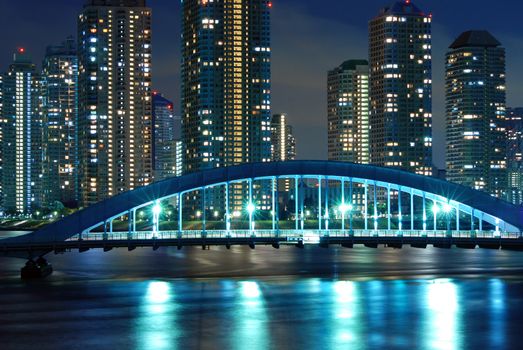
289	234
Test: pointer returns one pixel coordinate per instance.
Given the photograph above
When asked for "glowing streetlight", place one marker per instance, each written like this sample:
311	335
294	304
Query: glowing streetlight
157	209
251	208
447	208
435	209
345	208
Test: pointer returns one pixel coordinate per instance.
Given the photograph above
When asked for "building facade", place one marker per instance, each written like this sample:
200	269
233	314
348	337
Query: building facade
283	142
166	137
60	114
514	130
475	109
348	112
225	102
21	136
400	62
115	116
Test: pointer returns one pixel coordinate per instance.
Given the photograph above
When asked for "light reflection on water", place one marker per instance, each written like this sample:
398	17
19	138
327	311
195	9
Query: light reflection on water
156	323
497	313
133	300
316	313
443	315
250	318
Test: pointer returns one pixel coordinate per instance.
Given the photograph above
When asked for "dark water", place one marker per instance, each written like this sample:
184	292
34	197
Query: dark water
267	299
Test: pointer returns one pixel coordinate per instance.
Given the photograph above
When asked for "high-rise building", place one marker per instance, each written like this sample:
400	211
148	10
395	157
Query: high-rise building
514	130
400	62
166	137
475	108
348	112
114	110
60	114
22	136
283	142
226	109
1	140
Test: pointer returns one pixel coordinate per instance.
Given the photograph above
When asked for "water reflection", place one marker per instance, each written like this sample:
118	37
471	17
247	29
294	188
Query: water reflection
345	323
156	326
497	315
443	331
250	318
95	299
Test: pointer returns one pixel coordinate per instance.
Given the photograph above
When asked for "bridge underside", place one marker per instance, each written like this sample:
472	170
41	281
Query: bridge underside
441	239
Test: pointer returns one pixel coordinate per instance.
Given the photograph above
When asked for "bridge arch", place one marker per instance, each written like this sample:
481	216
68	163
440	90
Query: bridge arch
481	207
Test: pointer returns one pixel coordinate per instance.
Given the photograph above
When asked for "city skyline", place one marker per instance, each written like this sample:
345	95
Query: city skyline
192	168
298	70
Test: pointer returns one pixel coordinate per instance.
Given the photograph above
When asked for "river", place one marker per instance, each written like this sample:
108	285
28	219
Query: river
290	298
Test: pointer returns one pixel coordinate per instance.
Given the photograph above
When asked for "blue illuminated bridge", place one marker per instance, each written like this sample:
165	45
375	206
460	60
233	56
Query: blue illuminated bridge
288	203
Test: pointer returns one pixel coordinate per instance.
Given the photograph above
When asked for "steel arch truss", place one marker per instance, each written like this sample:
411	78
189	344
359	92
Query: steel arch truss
501	217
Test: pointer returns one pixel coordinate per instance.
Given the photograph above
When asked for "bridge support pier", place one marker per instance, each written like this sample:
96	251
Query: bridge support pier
36	269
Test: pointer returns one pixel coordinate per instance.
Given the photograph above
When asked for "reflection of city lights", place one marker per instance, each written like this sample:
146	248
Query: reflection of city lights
250	290
344	291
158	292
442	299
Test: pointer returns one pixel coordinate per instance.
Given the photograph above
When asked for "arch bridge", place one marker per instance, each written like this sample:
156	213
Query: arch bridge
296	203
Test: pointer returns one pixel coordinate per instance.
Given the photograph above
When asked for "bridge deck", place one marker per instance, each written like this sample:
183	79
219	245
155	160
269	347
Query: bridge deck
132	240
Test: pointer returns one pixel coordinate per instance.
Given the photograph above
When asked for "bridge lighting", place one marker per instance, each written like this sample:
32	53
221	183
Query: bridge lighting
447	208
251	208
435	209
345	208
157	209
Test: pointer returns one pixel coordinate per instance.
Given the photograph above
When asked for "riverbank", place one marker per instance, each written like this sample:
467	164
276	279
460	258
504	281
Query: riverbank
22	225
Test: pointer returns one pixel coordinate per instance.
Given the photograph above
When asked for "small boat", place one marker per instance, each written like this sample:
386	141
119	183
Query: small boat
39	269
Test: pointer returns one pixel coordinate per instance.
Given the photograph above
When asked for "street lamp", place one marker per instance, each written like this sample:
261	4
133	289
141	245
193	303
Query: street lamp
157	209
435	211
250	209
447	208
344	208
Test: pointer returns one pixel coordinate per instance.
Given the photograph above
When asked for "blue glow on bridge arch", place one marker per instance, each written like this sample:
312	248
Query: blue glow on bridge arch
385	202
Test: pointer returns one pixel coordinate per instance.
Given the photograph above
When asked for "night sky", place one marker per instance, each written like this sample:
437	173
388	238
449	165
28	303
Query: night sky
309	38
